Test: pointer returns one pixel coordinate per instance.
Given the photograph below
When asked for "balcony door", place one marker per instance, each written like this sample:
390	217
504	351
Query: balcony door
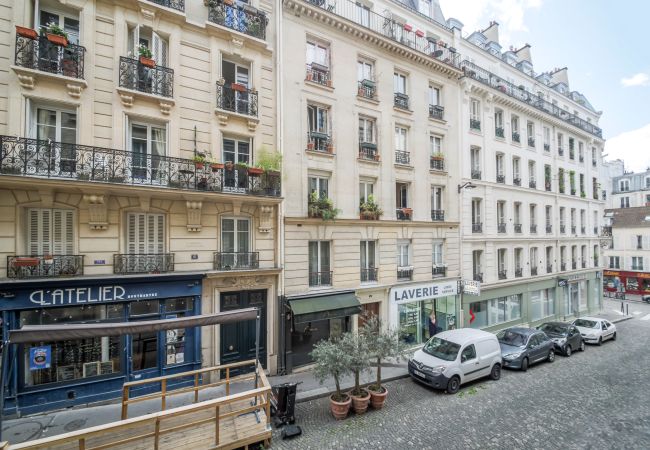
148	144
235	243
236	151
145	244
238	75
56	132
319	263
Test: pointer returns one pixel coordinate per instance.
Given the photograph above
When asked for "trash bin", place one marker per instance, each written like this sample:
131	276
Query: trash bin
284	403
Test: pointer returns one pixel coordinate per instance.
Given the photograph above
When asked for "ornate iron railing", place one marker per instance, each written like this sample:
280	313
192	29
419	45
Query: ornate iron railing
405	273
239	17
560	151
531	142
563	267
320	278
517	227
515	137
478	277
438	271
367	89
143	263
43	266
403	213
573	230
178	5
50	159
501	179
437	163
368	151
438	215
606	231
41	54
549	269
501	227
402	157
519	273
318	74
532	184
437	112
533	271
157	80
483	76
574	265
503	275
547	147
319	142
549	228
401	100
477	228
242	101
499	132
516	181
476	174
562	229
475	124
369	274
236	260
533	228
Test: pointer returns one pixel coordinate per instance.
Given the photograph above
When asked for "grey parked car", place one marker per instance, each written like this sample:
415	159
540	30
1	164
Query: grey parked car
521	347
565	336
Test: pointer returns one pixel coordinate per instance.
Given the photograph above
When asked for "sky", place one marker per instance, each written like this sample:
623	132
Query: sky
601	42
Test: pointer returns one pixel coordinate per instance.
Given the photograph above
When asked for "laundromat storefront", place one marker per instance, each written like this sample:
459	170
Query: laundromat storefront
56	374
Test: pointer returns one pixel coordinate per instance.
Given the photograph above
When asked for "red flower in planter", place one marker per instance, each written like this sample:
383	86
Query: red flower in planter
408	27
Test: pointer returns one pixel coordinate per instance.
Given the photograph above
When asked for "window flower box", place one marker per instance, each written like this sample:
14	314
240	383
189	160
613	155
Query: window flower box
255	171
238	87
216	166
419	33
26	262
408	27
147	62
56	39
26	32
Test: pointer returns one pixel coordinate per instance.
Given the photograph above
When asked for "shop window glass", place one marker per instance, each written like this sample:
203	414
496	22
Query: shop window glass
414	318
496	311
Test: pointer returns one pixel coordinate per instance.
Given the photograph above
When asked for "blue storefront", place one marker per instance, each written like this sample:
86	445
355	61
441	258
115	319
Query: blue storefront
51	375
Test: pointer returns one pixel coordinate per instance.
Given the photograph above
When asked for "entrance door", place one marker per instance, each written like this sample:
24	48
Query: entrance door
238	339
144	358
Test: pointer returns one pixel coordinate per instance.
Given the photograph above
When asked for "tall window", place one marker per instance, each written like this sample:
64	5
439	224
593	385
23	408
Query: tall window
145	233
477	263
236	150
501	213
518	259
319	263
368	249
424	7
502	262
60	125
533	215
624	185
573	217
403	253
530	133
402	195
476	211
400	138
549	216
475	160
367	130
625	202
498	121
365	71
50	231
68	23
532	172
560	141
147	142
235	235
549	258
234	73
399	83
475	110
499	167
437	257
533	259
318	53
434	95
547	138
437	194
516	175
362	14
614	262
319	186
318	119
366	189
517	213
637	263
514	124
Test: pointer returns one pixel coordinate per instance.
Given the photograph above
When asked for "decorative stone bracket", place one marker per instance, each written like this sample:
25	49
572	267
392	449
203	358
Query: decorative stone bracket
127	96
28	79
193	215
266	219
98	211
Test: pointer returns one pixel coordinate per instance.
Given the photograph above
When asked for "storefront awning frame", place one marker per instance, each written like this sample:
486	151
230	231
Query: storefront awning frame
324	307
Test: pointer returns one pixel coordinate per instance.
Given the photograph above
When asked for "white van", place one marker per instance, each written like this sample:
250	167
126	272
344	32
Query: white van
454	357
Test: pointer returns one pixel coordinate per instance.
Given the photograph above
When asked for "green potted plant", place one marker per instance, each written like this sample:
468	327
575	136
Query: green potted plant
331	361
146	57
356	347
269	161
370	210
56	35
381	344
321	207
199	161
438	156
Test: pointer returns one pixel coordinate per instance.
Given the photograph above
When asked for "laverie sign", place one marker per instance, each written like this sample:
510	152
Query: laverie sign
423	291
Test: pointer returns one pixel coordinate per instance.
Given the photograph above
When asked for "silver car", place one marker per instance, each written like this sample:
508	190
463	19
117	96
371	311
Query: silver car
521	347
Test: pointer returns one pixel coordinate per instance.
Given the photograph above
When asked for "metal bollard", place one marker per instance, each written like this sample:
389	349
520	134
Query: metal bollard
622	307
627	309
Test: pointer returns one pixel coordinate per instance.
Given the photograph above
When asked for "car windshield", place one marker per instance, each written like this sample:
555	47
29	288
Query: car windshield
554	328
586	323
510	337
441	349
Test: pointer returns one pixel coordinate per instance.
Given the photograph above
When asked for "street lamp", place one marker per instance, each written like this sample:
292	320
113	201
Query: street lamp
466	185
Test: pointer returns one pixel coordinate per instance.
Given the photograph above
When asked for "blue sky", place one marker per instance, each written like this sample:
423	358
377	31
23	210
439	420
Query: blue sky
601	42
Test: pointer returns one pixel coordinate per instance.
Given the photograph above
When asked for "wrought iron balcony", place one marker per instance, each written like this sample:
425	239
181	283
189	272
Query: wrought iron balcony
549	228
438	215
438	271
519	273
368	151
515	136
562	229
478	277
532	184
501	227
178	5
367	89
143	263
369	274
41	54
501	179
437	163
583	230
560	151
606	232
563	267
477	228
436	112
239	17
401	101
319	142
157	80
573	230
503	275
49	159
533	271
517	228
236	260
237	98
549	269
516	181
319	74
531	142
476	174
583	264
475	124
485	77
404	213
533	228
574	265
498	132
402	157
44	266
320	278
547	147
404	273
581	158
547	186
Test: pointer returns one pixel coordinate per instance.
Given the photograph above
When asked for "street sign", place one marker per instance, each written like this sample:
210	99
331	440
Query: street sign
471	287
561	282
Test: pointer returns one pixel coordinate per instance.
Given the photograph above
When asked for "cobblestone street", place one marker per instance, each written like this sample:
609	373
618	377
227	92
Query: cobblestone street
596	399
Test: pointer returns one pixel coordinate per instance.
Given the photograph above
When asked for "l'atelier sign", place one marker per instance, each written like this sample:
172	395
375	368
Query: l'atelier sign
75	296
423	291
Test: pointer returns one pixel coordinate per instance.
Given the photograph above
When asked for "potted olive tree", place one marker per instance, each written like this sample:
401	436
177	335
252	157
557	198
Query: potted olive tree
356	347
381	344
331	361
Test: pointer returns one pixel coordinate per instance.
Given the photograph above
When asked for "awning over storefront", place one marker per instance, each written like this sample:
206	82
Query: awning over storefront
324	307
38	333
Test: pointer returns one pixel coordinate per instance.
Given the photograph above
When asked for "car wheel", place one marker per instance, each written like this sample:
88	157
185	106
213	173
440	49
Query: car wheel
614	336
600	340
524	365
551	356
568	350
582	346
495	374
453	385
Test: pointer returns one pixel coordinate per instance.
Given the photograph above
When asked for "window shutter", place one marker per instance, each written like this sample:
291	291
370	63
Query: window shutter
160	234
135	36
37	228
159	49
131	233
62	233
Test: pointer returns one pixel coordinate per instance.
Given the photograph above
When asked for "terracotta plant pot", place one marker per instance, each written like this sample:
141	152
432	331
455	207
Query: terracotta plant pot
310	146
149	62
255	171
25	262
378	398
216	166
238	87
26	32
340	409
330	148
360	403
199	166
57	40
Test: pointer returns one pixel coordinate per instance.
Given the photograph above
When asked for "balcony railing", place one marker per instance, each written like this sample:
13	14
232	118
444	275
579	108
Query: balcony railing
563	267
547	147
401	101
478	277
156	80
531	142
49	159
320	278
583	230
475	124
501	227
436	112
560	151
533	271
404	213
517	228
533	228
437	163
596	230
143	263
319	142
503	275
404	273
501	179
402	157
549	269
562	229
547	186
44	266
318	74
516	181
532	184
369	274
516	137
574	265
368	151
236	260
593	162
519	273
41	54
581	158
606	231
573	230
438	271
476	174
498	132
477	228
173	4
367	89
238	99
483	76
549	228
583	264
239	17
438	215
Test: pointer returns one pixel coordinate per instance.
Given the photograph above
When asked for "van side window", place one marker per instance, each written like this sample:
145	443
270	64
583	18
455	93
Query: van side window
468	353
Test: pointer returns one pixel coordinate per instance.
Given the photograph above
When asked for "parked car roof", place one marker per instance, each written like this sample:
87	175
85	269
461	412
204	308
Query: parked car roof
596	319
463	335
523	331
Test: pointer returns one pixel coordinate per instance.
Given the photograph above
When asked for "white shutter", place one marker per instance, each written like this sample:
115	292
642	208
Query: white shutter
37	14
145	233
35	227
160	234
62	233
159	49
135	37
633	244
